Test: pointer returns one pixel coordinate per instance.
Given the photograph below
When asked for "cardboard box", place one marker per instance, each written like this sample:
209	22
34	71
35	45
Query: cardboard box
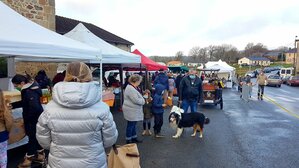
17	131
12	96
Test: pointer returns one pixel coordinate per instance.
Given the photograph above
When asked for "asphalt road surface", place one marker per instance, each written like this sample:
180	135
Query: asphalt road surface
254	134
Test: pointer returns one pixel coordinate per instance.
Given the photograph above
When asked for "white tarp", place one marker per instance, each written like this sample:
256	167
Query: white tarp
22	38
110	53
221	63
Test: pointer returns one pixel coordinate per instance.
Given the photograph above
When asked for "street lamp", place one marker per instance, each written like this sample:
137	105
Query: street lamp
294	65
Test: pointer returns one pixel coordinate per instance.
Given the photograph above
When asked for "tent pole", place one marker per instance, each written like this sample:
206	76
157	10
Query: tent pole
11	67
121	85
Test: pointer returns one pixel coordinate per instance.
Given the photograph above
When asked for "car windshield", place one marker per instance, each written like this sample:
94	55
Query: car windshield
274	77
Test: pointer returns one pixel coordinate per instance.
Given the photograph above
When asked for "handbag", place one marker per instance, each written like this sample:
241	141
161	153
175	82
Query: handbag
125	156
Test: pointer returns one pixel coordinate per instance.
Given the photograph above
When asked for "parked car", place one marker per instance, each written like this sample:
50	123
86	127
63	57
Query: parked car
251	74
293	81
285	79
286	72
267	69
274	80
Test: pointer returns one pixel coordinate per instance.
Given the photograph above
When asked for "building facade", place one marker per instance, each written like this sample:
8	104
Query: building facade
290	55
41	12
254	60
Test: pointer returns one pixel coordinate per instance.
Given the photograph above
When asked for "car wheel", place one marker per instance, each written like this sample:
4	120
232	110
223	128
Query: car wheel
279	85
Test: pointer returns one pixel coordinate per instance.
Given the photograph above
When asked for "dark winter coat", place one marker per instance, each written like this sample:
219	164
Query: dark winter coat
190	89
147	109
32	108
158	100
162	79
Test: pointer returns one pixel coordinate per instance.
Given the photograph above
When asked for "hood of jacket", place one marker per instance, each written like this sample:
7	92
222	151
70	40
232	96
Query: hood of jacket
159	89
76	95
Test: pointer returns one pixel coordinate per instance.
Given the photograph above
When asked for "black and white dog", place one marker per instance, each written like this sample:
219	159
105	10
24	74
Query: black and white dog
179	120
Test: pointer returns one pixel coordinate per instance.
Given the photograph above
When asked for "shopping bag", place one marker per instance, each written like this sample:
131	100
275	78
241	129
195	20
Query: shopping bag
126	156
169	101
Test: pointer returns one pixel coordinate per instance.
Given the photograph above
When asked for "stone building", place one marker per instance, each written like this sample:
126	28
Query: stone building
39	11
289	56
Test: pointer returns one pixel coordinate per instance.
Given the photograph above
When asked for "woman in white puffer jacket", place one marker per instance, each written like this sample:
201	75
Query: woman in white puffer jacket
76	126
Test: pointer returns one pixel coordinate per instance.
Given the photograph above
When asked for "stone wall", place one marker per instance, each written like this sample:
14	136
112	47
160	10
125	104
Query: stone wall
39	11
33	67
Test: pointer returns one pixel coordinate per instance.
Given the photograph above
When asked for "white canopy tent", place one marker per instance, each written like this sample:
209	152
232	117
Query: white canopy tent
226	72
110	53
24	40
220	62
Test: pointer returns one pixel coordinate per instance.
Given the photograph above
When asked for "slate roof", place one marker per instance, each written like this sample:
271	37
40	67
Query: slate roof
293	50
258	58
64	25
274	53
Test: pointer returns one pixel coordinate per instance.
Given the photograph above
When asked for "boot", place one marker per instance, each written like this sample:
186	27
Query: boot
40	158
149	132
27	161
135	140
144	132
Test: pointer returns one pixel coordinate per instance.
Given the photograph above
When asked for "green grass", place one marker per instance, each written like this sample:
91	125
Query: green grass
242	70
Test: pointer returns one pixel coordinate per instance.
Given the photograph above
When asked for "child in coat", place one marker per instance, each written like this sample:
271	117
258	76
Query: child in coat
147	111
6	122
158	109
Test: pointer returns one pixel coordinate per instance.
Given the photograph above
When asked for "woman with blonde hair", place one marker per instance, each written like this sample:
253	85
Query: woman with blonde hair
6	121
133	107
76	125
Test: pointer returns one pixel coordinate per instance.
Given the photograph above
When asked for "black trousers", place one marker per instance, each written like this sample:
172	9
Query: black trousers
30	129
260	92
158	120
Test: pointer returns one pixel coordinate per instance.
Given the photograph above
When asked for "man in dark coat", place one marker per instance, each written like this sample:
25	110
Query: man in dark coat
162	79
190	92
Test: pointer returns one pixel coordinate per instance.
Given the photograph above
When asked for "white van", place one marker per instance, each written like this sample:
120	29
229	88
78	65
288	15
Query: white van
284	72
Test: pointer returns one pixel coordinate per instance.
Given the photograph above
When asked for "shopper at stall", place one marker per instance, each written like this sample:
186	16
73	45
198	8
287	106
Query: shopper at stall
162	79
32	108
6	122
42	79
59	77
132	107
76	126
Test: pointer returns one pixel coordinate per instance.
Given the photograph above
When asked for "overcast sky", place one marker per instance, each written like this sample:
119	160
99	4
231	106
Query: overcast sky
163	27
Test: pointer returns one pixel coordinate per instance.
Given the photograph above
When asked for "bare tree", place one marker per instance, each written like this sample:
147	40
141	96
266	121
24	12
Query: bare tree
194	53
179	56
251	49
211	51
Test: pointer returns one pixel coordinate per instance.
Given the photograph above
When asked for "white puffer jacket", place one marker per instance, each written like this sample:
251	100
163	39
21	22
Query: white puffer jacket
76	127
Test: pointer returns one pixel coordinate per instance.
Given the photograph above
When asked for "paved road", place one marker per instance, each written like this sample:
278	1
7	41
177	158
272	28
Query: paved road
250	134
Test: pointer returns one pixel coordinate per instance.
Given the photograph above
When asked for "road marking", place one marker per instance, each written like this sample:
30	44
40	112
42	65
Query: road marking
280	106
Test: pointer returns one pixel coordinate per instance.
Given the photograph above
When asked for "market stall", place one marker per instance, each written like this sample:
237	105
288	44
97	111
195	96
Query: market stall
226	73
32	42
112	57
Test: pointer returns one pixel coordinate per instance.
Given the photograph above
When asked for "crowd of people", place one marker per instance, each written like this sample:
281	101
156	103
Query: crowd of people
76	126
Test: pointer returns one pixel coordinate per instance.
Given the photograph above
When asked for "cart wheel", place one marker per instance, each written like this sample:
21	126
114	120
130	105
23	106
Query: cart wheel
221	104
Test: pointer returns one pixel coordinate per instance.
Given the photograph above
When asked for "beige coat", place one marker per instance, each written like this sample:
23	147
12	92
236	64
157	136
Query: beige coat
261	79
6	121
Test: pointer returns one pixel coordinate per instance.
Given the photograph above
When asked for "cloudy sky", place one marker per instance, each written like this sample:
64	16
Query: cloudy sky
163	27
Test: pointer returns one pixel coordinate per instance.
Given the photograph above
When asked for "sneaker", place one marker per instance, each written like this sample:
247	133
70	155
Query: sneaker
27	162
135	140
144	133
159	135
149	132
40	158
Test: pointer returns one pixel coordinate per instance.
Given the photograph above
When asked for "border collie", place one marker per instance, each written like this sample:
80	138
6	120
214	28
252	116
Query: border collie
179	120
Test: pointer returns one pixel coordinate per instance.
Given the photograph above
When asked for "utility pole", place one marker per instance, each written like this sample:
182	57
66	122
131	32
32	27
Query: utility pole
296	51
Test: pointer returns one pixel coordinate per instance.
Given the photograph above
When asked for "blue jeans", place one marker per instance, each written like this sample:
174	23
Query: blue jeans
191	103
131	130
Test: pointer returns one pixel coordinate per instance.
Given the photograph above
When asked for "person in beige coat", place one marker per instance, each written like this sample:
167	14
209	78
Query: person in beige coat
6	122
76	125
261	81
